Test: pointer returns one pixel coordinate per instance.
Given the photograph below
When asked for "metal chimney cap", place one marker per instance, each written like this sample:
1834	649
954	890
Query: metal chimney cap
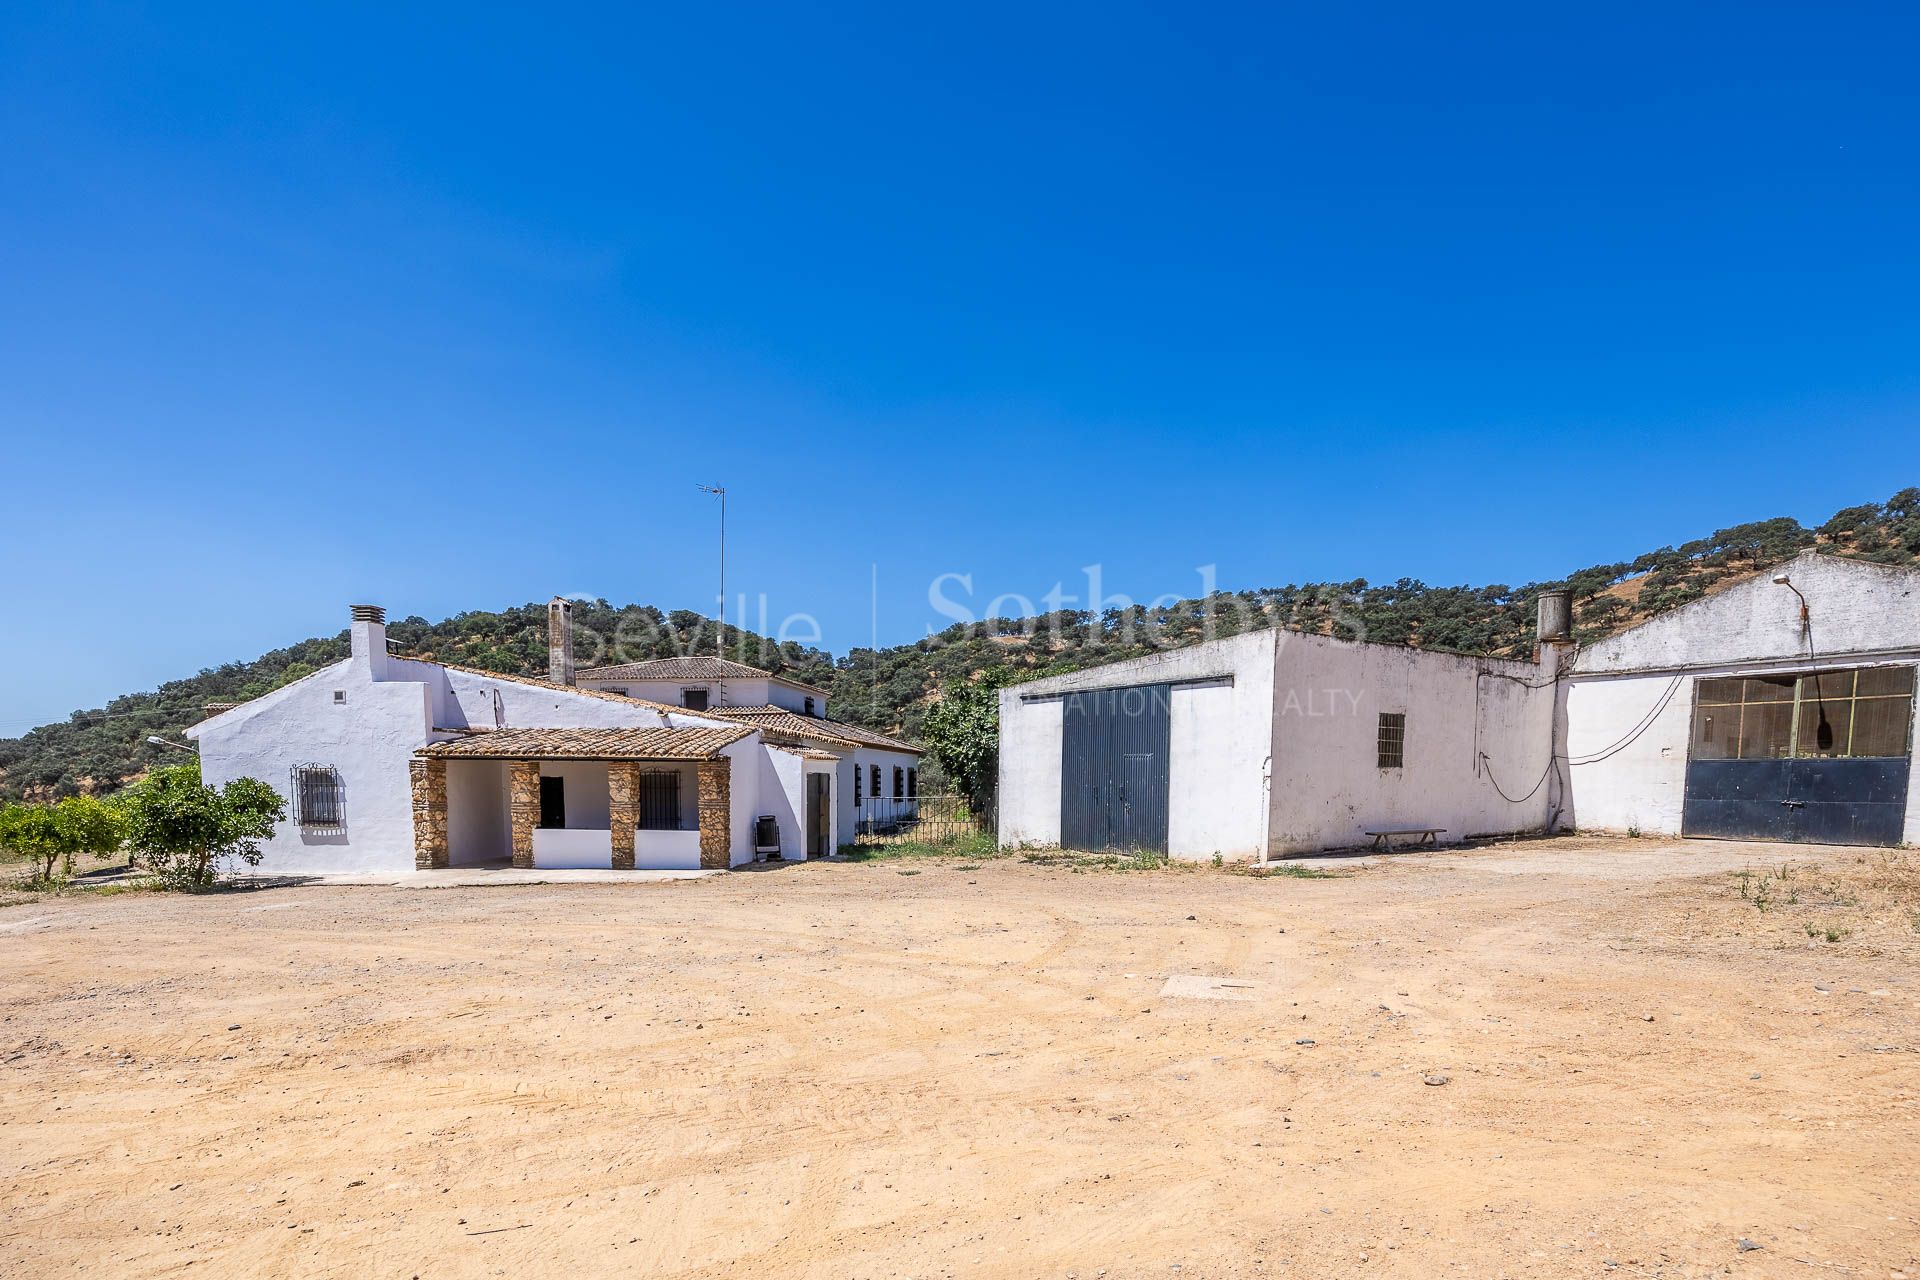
368	613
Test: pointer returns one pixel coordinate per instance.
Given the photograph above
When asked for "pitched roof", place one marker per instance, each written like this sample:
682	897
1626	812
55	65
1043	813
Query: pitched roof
690	668
793	724
588	744
805	753
561	688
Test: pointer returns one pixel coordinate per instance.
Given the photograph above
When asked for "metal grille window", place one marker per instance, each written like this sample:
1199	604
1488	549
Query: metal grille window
873	779
913	784
1863	712
660	800
899	783
857	771
319	800
1392	742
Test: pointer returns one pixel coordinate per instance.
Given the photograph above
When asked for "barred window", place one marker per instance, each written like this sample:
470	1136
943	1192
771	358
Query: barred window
1392	743
319	799
873	778
899	783
857	771
660	800
913	784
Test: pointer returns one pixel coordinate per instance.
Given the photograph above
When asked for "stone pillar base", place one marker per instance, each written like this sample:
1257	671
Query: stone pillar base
429	781
716	813
623	811
523	803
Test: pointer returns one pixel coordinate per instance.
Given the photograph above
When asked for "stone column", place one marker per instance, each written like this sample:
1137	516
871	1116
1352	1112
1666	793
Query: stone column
623	811
523	800
429	779
716	813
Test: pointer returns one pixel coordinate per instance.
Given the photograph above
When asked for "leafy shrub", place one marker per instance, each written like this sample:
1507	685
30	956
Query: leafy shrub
190	833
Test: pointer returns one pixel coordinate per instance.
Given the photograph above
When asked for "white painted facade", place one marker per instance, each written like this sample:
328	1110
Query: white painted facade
1272	742
366	716
1273	747
1629	699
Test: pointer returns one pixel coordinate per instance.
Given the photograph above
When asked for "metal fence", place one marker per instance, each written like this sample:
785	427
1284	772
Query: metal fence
929	817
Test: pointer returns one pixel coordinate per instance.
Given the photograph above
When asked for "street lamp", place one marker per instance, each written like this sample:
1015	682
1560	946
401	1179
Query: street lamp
158	741
1806	615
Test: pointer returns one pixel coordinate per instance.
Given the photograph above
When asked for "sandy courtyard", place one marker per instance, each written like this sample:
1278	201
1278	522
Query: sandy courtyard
939	1069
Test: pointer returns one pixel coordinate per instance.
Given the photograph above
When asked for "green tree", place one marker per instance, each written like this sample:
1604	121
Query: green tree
51	835
962	731
30	831
189	832
89	825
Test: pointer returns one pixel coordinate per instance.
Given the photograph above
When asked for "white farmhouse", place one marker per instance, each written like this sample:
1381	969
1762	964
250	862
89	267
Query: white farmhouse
391	763
1780	708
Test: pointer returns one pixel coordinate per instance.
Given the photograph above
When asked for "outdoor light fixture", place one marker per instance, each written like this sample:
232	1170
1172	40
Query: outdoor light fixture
1806	616
159	741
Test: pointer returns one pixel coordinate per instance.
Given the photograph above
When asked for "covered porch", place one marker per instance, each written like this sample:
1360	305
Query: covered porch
551	799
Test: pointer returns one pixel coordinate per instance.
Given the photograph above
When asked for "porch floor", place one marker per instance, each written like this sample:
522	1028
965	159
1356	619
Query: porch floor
503	874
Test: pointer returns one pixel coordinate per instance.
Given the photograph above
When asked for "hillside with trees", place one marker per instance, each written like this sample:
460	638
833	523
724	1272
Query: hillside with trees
891	689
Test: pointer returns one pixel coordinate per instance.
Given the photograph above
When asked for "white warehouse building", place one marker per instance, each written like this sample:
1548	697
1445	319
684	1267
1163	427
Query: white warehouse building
1780	708
392	763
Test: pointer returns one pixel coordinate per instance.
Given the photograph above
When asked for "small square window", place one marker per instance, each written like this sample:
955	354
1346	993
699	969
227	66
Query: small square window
339	695
693	699
1392	743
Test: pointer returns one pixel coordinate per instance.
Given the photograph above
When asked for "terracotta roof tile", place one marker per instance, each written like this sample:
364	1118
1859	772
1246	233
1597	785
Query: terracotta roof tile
588	744
792	723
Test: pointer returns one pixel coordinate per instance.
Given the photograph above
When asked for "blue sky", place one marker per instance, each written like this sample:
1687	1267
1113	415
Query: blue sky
449	310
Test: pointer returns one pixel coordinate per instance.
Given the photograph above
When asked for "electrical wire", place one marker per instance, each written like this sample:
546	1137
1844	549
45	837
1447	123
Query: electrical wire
1633	734
1495	783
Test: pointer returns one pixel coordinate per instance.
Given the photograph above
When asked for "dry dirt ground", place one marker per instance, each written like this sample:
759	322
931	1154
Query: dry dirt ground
926	1069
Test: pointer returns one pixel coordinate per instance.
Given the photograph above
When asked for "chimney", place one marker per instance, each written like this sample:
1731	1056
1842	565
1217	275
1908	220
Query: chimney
369	634
1554	624
560	641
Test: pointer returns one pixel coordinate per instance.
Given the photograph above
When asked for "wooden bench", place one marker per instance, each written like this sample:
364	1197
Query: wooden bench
1383	840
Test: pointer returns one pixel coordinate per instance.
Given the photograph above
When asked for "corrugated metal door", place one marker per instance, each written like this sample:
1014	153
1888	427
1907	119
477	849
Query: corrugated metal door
1113	768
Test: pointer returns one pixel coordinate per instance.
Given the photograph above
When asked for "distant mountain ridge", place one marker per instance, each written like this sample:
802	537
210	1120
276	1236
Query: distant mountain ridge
889	689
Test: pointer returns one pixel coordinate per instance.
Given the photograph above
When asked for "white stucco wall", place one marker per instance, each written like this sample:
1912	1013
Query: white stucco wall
1328	789
1218	741
584	791
390	707
368	739
1624	776
1029	786
478	825
1854	607
780	795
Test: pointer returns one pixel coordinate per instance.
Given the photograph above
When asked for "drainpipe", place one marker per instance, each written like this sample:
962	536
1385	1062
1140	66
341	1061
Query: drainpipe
1266	807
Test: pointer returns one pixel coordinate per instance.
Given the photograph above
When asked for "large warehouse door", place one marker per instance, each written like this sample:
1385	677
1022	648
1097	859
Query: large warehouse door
1821	758
1113	768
